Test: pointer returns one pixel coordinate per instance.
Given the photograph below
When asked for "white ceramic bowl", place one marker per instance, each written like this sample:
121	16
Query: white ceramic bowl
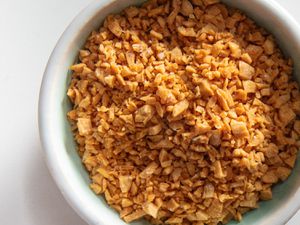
59	148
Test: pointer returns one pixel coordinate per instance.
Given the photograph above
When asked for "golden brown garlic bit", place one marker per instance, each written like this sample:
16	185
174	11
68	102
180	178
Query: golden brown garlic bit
184	112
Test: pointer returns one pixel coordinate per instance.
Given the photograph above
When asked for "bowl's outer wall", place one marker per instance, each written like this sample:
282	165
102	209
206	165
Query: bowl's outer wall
60	149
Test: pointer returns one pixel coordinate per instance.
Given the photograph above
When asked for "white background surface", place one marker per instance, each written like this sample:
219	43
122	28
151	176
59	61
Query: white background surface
28	32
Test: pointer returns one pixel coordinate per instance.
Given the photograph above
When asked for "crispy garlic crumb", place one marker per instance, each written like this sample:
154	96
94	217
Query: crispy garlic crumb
184	112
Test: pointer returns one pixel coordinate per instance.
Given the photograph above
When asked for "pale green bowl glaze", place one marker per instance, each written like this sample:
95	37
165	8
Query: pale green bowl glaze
59	147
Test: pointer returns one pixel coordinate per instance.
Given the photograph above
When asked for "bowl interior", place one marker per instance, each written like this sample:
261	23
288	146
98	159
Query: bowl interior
74	172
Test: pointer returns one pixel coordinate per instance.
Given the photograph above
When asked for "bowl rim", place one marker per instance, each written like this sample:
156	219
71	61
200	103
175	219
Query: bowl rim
46	101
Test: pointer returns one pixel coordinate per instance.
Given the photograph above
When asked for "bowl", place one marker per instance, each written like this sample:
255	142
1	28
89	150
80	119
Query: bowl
56	136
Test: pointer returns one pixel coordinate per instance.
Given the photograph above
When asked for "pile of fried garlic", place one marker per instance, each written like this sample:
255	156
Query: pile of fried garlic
185	112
